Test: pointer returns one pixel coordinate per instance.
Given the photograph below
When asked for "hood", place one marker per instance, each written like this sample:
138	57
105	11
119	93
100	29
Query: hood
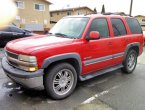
30	44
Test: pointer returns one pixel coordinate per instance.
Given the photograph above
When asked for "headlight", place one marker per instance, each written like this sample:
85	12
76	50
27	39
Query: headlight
28	63
27	58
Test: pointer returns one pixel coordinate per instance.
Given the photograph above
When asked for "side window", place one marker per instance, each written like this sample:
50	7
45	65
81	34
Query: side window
14	29
118	27
100	25
7	29
134	26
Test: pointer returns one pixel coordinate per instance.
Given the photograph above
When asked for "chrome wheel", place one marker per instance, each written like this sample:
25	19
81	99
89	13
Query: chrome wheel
131	62
63	82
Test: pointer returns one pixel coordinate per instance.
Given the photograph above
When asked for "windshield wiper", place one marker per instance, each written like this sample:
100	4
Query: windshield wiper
60	34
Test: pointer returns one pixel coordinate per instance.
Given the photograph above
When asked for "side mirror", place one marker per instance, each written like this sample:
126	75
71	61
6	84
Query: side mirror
94	35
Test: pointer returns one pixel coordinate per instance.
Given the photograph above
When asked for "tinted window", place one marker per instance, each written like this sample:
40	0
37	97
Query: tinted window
15	29
101	26
68	13
118	27
6	29
134	26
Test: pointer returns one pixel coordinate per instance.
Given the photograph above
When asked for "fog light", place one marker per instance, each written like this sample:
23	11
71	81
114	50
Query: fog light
32	69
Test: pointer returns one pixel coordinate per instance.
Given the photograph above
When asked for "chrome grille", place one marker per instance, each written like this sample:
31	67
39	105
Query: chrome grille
13	64
12	55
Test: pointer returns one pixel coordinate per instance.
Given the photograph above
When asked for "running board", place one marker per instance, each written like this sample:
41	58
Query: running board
94	74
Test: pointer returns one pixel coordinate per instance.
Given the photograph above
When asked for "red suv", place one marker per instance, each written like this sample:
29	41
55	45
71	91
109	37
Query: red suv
76	49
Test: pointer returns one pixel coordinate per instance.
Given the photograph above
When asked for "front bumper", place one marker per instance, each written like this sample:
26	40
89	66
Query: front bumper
31	80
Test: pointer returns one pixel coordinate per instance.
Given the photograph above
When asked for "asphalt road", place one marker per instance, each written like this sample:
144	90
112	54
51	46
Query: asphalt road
112	91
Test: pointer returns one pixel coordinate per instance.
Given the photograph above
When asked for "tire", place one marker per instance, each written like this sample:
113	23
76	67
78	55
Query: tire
2	44
130	62
60	81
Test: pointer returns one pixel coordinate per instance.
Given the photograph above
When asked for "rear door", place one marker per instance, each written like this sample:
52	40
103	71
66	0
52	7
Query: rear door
97	54
119	40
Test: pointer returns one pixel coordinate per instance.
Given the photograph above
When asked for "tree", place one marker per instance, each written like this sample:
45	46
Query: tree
103	9
95	11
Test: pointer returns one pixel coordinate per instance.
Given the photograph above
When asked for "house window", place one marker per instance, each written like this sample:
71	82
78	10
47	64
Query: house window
20	4
143	20
79	13
51	14
40	7
68	13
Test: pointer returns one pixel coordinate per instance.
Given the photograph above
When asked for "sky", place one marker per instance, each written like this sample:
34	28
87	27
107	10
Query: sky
110	5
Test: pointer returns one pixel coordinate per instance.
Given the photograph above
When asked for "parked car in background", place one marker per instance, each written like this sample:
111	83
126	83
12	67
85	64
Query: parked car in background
11	32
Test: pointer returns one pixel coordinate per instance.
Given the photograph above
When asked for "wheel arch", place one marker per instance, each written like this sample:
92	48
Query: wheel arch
135	46
71	58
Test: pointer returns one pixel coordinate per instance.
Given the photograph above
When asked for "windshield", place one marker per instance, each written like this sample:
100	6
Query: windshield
70	27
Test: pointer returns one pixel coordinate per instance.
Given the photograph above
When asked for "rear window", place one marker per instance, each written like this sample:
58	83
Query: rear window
118	27
134	26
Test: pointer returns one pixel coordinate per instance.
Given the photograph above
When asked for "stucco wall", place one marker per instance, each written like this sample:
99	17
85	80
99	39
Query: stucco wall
29	15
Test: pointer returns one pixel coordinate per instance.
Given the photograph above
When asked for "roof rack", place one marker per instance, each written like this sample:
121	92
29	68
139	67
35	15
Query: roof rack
110	13
116	13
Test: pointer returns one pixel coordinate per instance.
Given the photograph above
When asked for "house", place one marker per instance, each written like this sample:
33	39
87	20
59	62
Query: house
141	20
33	15
56	15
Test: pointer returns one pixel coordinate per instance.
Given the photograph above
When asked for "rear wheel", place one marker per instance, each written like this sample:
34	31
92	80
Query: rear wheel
130	62
60	81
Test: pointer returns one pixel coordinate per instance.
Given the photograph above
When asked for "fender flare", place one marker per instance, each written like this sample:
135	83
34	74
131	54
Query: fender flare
59	57
136	44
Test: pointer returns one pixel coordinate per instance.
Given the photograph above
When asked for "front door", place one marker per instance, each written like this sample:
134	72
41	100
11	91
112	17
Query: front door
97	54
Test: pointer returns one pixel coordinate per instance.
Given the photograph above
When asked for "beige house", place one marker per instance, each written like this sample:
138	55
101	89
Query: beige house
56	15
141	20
33	14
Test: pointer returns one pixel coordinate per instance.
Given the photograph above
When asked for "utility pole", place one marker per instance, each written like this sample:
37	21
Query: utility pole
131	7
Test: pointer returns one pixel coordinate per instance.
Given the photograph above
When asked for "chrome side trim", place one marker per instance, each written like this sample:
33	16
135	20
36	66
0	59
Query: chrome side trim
118	55
102	59
97	60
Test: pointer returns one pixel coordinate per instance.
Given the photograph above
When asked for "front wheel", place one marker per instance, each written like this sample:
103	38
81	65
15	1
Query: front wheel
60	81
130	62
